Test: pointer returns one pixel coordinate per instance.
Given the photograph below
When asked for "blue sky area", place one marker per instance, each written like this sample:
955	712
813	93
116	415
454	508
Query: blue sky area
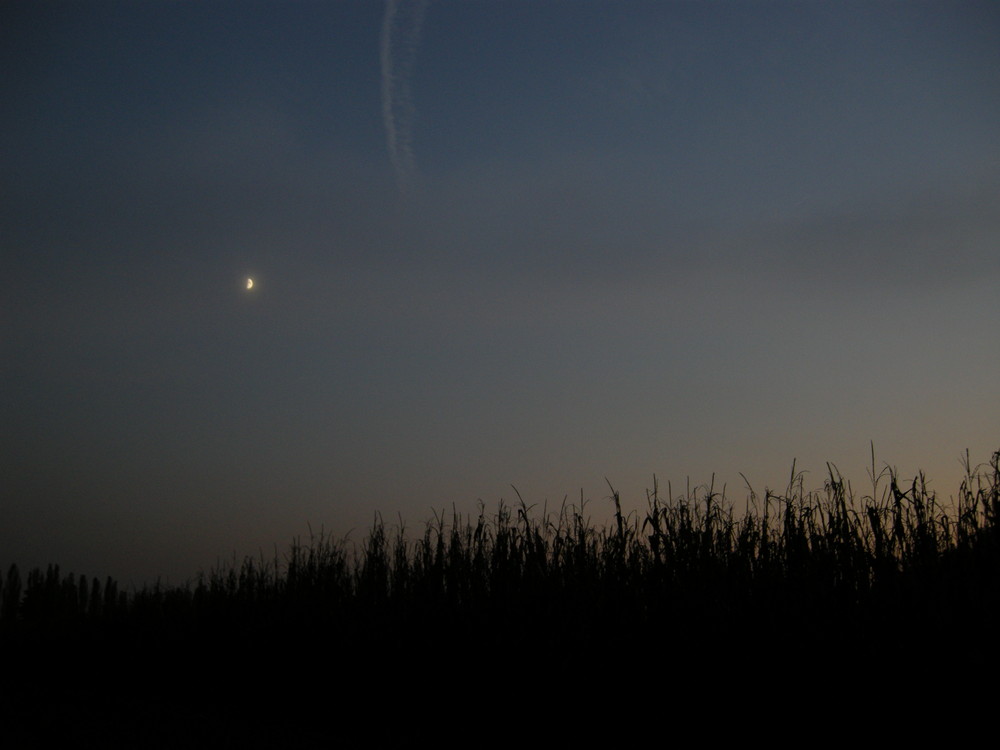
493	243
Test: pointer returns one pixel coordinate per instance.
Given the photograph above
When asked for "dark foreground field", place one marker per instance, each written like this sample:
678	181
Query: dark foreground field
803	615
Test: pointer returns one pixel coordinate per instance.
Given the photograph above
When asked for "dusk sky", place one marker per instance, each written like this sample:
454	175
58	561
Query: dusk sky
526	243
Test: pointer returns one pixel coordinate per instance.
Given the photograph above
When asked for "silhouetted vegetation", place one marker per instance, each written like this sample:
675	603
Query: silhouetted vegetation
688	589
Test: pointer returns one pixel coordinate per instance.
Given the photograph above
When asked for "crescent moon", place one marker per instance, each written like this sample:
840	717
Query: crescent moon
249	283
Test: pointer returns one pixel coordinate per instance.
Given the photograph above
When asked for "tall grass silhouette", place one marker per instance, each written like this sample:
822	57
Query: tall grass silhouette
690	588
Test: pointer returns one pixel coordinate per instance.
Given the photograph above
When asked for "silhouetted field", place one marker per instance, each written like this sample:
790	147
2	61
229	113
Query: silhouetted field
685	614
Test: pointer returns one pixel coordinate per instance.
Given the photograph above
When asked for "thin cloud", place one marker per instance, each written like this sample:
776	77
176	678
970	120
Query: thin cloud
401	29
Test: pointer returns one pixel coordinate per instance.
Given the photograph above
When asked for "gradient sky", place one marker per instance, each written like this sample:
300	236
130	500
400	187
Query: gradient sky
524	243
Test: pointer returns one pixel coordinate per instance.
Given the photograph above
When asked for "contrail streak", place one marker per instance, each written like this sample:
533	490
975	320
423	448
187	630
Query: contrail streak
401	27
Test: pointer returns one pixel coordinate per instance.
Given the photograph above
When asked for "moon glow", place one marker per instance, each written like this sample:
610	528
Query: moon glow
249	283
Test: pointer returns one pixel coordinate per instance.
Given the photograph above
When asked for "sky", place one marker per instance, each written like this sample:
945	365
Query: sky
536	245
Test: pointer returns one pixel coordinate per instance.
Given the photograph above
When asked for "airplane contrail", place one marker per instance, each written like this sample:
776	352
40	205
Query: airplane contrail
401	28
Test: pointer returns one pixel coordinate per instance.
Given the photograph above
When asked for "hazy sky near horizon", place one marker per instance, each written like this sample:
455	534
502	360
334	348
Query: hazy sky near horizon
494	243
